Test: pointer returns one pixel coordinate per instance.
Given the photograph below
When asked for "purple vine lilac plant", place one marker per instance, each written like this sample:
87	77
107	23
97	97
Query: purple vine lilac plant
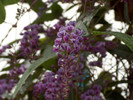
69	45
92	93
6	85
30	42
52	31
3	49
15	72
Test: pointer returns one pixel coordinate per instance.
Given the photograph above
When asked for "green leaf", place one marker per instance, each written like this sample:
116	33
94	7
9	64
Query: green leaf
70	7
122	51
9	2
99	16
29	80
86	21
103	77
3	76
4	56
7	68
47	65
56	8
80	25
10	67
6	96
90	16
127	39
2	12
44	17
126	13
15	41
35	5
48	54
120	82
114	95
104	27
50	16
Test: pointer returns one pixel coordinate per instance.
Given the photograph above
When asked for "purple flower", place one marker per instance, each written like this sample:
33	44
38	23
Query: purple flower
99	47
52	31
111	45
92	93
6	86
95	63
38	89
15	72
30	42
3	49
68	44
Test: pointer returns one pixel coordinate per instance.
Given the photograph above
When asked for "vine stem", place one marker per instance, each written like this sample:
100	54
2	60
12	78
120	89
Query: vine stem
15	25
84	9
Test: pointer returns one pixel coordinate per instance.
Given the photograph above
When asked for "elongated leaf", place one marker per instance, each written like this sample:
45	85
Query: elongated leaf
6	96
120	82
89	17
28	82
70	7
103	76
81	26
127	39
50	16
15	41
99	18
126	13
48	54
9	2
86	21
56	8
35	4
44	17
114	95
2	12
122	51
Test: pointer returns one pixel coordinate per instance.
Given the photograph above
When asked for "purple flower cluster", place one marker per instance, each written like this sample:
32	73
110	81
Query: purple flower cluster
13	61
92	93
15	72
6	86
52	86
52	31
101	47
4	48
95	63
3	86
38	89
68	45
69	40
30	42
110	45
97	47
